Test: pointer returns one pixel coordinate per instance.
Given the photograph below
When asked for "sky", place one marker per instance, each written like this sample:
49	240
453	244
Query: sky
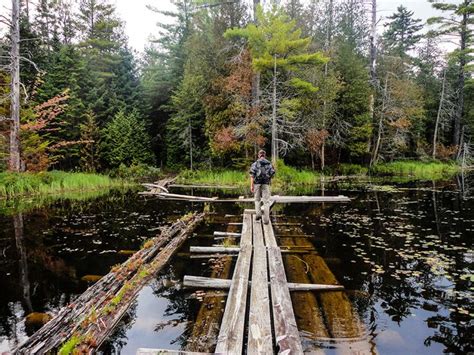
140	22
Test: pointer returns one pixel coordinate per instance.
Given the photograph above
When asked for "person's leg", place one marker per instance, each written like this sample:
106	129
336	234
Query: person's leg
266	203
258	198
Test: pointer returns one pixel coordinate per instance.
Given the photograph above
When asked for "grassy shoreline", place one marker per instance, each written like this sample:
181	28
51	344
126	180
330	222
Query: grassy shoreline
13	185
286	175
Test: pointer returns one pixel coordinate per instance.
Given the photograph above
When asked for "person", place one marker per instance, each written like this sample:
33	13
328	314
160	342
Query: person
261	174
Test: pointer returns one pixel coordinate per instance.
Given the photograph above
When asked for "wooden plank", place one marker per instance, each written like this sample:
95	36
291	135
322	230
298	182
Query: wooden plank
146	351
227	234
206	282
231	333
286	330
223	284
195	249
259	328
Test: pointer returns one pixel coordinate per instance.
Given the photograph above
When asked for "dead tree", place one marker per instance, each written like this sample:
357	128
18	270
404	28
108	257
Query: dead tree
373	60
438	116
15	162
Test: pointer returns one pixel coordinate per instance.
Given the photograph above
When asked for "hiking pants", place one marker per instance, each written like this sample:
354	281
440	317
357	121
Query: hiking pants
262	194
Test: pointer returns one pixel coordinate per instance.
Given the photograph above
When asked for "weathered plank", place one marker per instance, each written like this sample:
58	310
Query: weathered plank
259	328
206	282
286	330
212	282
194	249
227	234
146	351
231	334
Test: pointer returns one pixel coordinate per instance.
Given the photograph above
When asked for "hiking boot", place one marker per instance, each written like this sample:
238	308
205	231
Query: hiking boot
266	220
258	217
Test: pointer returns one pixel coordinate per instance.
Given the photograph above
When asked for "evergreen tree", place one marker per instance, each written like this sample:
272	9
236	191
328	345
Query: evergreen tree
459	23
125	141
90	144
402	33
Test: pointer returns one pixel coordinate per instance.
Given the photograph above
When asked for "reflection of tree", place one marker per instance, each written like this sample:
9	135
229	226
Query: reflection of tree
24	280
178	305
118	339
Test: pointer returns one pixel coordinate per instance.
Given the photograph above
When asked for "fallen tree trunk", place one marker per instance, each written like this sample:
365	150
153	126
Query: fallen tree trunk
87	321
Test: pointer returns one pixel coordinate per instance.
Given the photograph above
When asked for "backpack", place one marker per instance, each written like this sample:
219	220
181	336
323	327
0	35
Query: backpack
263	172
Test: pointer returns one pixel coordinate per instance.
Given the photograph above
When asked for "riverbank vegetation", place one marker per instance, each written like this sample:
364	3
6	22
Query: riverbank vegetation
54	182
313	83
287	176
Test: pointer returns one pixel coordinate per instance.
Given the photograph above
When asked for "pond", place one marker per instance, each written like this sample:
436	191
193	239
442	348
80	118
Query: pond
404	253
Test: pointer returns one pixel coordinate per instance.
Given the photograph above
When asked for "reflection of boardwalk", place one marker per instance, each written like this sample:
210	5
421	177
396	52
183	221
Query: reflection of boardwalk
259	315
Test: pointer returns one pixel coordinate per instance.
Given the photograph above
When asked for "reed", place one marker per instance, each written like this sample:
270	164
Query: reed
53	182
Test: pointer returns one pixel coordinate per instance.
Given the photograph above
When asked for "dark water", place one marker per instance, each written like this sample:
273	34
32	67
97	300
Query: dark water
404	252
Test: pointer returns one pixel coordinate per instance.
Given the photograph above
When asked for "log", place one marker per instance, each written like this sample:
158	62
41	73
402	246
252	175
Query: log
227	234
259	327
67	321
214	249
145	351
231	333
155	186
224	284
205	329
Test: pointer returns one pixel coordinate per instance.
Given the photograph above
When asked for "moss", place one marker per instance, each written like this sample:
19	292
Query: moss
69	346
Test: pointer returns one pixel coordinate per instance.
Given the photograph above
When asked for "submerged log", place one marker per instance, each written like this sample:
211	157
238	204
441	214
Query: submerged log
91	317
307	310
206	326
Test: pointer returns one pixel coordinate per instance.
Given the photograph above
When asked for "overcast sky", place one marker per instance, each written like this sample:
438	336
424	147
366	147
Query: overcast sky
140	22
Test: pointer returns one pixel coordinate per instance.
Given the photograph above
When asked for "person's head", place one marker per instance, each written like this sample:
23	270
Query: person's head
261	154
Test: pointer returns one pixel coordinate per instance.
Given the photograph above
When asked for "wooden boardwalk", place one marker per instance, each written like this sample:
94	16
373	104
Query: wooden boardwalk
259	316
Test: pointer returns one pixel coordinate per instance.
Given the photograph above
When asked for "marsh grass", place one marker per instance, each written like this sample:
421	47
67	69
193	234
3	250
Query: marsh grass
285	175
417	170
53	182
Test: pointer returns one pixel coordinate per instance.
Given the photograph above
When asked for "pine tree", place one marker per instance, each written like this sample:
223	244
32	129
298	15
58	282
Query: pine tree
90	143
278	50
125	140
402	33
459	23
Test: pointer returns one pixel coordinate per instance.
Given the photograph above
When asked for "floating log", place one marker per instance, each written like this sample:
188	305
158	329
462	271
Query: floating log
91	309
205	329
145	351
228	234
223	187
224	284
155	186
214	249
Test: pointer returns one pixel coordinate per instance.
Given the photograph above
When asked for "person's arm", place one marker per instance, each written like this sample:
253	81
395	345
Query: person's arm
251	184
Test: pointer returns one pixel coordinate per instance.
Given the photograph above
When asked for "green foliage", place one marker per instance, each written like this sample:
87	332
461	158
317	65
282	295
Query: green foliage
126	141
90	140
136	172
402	32
69	346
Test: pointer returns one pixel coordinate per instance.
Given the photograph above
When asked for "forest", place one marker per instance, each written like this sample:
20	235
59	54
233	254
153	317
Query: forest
316	83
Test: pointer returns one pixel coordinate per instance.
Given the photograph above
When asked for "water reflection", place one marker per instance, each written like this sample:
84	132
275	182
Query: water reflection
403	251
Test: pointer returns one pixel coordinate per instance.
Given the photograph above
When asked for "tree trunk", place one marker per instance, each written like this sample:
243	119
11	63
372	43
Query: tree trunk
438	116
461	81
190	144
373	62
378	143
14	163
274	112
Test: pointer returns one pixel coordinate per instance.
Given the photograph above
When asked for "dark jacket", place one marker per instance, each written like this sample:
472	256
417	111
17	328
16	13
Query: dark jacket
262	171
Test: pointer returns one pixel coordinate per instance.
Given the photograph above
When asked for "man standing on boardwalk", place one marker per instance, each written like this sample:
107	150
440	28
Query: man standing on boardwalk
261	173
